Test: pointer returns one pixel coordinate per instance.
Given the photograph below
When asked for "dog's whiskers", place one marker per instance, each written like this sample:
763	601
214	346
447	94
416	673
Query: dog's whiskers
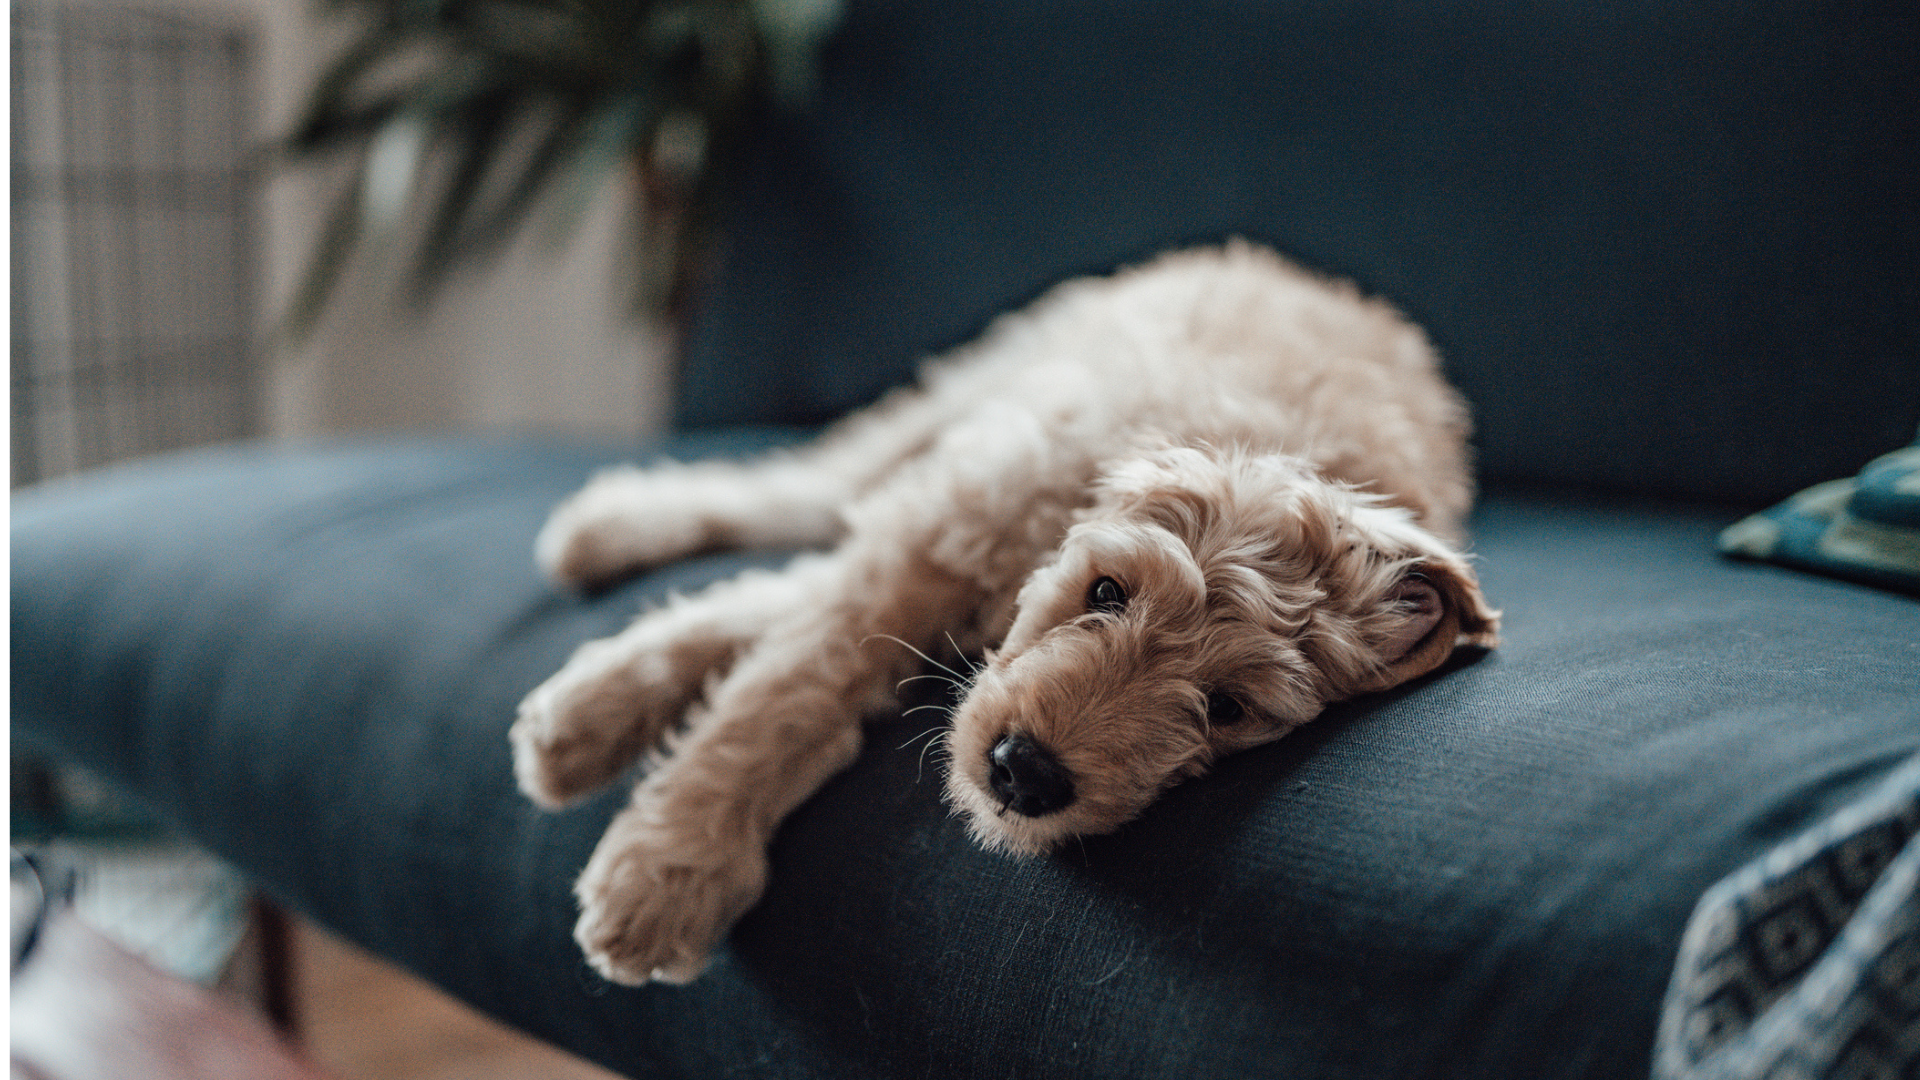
936	736
948	679
963	678
974	667
932	731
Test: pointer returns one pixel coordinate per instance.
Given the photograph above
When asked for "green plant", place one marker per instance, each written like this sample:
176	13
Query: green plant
461	117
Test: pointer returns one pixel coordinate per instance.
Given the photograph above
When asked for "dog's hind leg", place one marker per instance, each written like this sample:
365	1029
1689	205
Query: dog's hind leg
617	697
628	518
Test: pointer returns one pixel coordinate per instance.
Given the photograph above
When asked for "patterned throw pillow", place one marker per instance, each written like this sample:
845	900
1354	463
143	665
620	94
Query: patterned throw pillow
1865	528
1806	963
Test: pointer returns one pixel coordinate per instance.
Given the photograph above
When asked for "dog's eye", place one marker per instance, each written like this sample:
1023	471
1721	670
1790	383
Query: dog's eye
1106	597
1223	709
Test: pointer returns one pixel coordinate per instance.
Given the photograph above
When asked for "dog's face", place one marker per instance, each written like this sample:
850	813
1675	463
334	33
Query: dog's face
1209	601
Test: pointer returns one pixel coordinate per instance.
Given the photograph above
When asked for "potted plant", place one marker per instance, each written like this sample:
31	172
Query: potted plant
463	119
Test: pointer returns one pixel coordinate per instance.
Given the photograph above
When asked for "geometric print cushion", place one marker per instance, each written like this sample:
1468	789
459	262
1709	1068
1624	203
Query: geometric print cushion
1807	962
1865	528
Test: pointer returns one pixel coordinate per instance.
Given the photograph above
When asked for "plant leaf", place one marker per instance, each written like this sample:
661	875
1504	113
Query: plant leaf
327	265
479	126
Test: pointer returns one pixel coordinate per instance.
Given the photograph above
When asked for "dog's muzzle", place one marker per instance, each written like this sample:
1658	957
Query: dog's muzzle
1027	778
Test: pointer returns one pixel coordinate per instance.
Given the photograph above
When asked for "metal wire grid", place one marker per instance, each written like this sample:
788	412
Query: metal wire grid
132	239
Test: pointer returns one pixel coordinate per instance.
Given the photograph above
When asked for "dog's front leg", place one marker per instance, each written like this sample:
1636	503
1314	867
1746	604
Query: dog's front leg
687	857
620	695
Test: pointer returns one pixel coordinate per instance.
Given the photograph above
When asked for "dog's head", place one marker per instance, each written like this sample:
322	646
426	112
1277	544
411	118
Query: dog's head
1208	602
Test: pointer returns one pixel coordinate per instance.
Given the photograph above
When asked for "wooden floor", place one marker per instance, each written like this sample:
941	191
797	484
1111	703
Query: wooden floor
361	1019
356	1017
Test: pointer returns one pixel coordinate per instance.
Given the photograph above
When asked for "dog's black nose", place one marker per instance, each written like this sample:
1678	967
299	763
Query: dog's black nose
1027	778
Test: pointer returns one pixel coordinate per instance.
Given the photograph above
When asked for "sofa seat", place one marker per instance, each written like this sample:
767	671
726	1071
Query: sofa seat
307	657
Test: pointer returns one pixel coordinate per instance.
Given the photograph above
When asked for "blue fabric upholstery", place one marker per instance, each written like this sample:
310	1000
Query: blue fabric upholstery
309	657
1668	251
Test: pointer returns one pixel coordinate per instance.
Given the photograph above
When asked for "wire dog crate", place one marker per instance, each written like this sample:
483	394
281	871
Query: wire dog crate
132	240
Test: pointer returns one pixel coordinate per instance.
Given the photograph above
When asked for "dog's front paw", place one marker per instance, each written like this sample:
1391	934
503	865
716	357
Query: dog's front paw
553	764
655	908
592	719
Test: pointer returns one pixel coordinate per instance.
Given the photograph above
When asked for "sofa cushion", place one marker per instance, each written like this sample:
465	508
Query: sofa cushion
1668	251
308	658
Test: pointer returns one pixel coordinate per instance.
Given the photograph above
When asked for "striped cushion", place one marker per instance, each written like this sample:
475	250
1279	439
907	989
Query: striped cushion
1865	528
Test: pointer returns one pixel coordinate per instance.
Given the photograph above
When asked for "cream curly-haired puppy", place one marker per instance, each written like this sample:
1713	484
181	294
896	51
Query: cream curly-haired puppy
1182	509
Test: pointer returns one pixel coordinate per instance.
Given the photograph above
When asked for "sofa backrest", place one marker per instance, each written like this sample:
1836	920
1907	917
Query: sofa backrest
1665	248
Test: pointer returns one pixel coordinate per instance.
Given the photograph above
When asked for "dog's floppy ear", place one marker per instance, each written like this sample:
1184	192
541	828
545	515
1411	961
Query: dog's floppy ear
1441	607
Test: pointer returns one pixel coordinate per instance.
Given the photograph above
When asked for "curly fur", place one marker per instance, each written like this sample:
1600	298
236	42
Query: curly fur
1266	464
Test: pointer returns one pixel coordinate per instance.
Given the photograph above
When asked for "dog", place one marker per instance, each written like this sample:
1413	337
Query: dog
1176	511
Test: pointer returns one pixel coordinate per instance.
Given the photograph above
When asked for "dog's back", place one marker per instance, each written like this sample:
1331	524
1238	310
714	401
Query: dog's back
1230	345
